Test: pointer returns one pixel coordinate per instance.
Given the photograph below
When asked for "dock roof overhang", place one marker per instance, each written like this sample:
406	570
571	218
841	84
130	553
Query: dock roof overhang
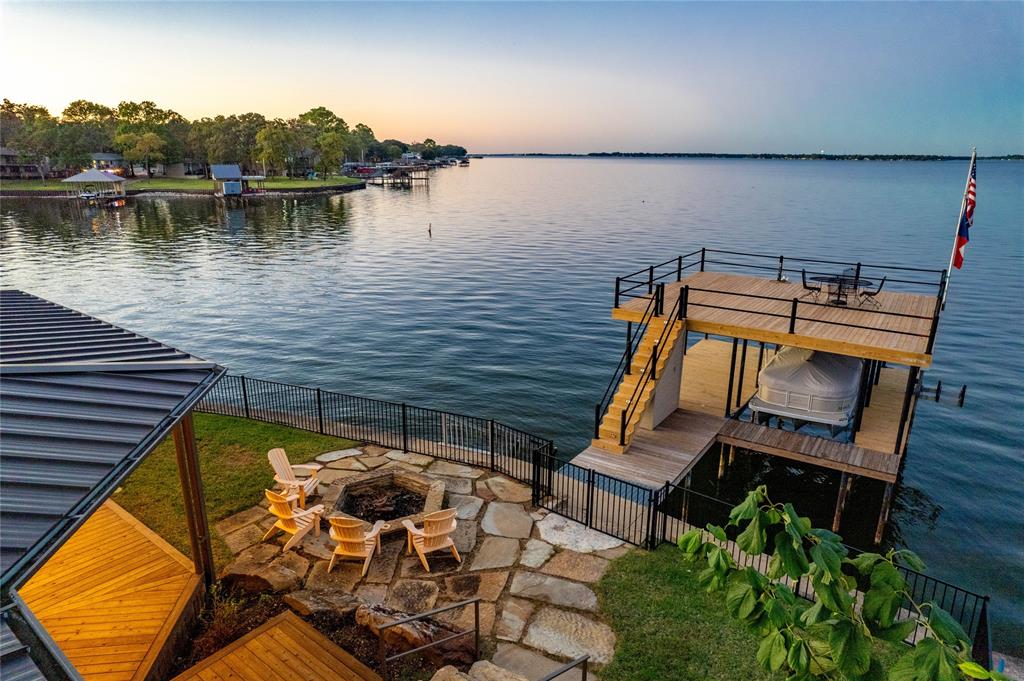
82	402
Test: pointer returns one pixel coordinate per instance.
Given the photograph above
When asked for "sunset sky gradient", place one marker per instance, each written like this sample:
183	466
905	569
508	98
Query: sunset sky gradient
727	77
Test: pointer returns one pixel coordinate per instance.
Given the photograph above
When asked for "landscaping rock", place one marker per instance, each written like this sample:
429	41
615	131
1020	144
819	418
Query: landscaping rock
382	567
509	490
409	457
338	455
451	485
553	590
264	568
570	534
570	635
507	520
468	505
486	586
496	552
515	613
412	595
307	603
464	536
531	664
418	633
536	553
344	465
449	673
441	563
401	465
488	671
329	475
239	520
375	450
372	462
462	618
372	594
580	567
344	576
454	470
242	539
484	492
539	514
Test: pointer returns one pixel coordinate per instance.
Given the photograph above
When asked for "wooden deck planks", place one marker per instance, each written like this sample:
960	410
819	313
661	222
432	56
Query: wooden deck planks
112	595
768	320
283	649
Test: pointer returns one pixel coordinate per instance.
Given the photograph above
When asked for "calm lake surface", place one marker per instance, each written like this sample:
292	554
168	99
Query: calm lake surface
505	311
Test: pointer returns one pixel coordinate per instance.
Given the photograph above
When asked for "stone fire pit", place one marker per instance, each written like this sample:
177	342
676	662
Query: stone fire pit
372	492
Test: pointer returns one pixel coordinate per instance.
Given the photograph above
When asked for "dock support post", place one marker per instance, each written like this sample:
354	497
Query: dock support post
703	252
650	280
187	454
721	463
760	363
743	366
845	482
732	375
911	381
679	269
883	514
618	281
732	454
792	316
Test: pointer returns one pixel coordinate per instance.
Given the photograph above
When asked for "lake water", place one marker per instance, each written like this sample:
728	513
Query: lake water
504	312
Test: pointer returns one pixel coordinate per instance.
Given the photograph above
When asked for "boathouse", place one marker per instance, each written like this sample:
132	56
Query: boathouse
817	362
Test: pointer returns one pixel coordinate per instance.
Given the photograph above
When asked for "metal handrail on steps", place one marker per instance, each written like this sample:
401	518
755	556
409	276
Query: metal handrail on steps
568	668
386	660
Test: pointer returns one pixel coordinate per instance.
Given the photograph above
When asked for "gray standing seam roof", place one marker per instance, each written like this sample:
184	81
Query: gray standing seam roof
226	171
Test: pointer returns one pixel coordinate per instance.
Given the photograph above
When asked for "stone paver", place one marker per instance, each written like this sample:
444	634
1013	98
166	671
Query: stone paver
338	455
321	547
409	457
412	595
554	590
441	563
484	585
570	635
496	552
617	552
242	539
509	490
329	475
535	553
372	462
464	537
345	465
382	567
401	465
580	567
572	535
241	519
462	618
307	603
484	492
344	576
468	505
372	594
531	664
451	485
454	470
515	613
507	520
264	568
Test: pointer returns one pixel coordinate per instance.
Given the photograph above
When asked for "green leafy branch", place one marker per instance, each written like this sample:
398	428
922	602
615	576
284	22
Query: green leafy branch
832	637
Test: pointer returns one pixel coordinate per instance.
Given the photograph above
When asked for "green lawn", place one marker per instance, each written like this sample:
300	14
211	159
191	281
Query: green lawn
670	629
233	462
159	183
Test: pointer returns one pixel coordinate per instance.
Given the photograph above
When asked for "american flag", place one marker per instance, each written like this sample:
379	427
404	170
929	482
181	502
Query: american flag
967	219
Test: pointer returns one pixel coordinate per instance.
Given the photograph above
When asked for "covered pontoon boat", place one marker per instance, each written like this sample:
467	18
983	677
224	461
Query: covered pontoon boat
807	386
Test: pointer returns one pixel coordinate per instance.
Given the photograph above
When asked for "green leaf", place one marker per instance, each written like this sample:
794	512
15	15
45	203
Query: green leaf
827	559
691	542
794	560
777	613
826	536
717	532
881	604
851	648
797	527
911	560
974	670
945	627
748	508
771	654
865	561
905	668
821	657
886	573
813	614
753	539
799	657
897	632
740	599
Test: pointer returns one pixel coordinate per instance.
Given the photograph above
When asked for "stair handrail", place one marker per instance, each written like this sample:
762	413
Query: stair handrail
625	362
651	368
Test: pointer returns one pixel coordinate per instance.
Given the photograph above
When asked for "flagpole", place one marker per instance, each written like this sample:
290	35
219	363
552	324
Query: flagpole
956	231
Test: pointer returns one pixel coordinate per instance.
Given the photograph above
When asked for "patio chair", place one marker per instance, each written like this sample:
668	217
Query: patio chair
809	290
867	296
284	475
435	535
295	521
353	541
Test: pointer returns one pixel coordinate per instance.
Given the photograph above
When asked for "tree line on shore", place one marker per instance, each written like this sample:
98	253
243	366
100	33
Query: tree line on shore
144	133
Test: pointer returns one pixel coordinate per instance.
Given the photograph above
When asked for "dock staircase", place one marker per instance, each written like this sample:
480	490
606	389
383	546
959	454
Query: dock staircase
637	385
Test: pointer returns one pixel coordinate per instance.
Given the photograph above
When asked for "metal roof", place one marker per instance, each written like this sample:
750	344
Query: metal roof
81	403
226	171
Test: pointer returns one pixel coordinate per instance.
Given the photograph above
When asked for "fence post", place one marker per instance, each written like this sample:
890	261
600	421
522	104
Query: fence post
654	361
679	269
618	281
702	252
320	411
535	478
405	429
590	497
490	441
780	274
981	650
856	278
652	505
245	397
684	303
629	347
650	280
792	316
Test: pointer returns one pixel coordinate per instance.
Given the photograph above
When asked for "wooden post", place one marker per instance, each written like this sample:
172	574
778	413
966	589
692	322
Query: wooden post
732	454
732	378
192	494
911	382
883	514
845	482
743	366
721	463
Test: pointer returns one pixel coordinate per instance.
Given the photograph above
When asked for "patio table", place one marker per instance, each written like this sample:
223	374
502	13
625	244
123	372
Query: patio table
839	286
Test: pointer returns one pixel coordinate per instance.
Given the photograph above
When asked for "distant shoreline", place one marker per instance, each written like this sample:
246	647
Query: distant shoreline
766	157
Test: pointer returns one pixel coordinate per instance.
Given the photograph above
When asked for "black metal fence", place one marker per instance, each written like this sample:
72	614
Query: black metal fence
619	508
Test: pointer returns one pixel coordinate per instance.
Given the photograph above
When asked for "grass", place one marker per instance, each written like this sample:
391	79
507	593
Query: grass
164	183
233	463
670	629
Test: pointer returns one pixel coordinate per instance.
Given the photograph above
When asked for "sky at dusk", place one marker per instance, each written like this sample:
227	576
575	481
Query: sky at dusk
523	77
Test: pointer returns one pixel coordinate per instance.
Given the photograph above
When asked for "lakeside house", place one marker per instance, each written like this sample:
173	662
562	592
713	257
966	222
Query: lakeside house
230	181
109	161
14	167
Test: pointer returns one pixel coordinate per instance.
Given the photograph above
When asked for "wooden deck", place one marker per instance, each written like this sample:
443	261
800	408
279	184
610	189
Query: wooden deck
283	649
883	336
112	596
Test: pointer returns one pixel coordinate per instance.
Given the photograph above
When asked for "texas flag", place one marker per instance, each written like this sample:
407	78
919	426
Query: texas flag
966	218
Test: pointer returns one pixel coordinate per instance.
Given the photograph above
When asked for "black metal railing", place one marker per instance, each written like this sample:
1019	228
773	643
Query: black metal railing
385	660
581	663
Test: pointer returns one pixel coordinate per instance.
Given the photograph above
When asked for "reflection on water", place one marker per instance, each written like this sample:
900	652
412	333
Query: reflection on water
504	311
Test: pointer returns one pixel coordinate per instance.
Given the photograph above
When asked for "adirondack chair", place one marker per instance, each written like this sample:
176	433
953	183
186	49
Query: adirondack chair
435	535
295	521
353	542
284	475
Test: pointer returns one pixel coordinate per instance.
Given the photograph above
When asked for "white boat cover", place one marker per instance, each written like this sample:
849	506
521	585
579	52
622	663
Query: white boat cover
810	386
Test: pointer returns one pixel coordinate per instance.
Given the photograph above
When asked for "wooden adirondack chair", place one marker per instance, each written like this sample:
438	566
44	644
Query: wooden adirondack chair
435	535
295	521
353	542
284	475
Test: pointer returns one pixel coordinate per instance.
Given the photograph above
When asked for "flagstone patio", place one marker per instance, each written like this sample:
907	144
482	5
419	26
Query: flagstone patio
532	570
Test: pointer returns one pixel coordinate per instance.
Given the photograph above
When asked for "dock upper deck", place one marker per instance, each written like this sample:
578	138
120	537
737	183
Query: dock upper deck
899	330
